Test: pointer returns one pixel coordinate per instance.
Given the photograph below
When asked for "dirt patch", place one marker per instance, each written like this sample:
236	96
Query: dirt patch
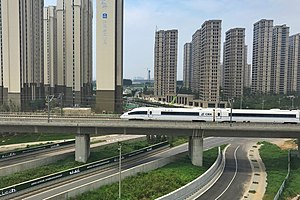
286	144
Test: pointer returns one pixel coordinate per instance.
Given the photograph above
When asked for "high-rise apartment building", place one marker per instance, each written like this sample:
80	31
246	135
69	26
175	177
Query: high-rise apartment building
247	76
294	64
21	52
50	50
165	62
247	70
109	67
234	62
187	66
206	53
74	49
222	75
279	63
261	58
196	44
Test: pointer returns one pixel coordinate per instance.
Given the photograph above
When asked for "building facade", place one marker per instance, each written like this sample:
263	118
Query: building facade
279	63
247	70
109	48
247	76
165	62
234	62
74	49
261	57
206	53
294	65
50	47
187	66
21	52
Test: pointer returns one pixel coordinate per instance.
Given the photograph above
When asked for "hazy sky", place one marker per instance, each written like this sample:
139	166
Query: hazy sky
143	16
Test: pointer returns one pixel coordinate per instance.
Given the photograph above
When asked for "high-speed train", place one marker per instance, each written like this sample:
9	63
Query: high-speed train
213	115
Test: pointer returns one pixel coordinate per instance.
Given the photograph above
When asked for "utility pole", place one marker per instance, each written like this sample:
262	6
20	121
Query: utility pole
262	104
241	102
49	99
61	103
231	100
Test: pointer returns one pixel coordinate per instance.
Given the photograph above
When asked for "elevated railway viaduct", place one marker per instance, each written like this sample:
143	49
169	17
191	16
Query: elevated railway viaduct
195	130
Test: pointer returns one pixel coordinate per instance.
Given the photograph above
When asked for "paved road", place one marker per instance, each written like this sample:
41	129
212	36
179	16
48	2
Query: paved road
237	173
36	159
208	143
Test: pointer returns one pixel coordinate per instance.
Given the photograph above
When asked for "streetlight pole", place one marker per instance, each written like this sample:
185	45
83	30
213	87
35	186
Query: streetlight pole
61	103
120	168
292	97
230	102
241	102
262	104
48	100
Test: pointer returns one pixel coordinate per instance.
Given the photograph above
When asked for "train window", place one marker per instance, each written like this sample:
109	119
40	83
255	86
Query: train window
219	114
138	113
263	115
150	112
181	113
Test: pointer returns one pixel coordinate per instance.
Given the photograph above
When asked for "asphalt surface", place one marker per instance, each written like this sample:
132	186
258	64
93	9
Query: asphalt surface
237	173
57	188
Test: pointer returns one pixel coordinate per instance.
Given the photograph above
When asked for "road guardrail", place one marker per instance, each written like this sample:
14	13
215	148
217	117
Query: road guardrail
74	171
199	183
34	149
277	196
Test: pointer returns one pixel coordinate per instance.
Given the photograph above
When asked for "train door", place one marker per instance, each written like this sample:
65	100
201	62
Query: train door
218	115
214	115
150	113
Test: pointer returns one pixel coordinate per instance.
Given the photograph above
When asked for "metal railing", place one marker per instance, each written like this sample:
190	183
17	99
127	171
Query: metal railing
196	185
277	196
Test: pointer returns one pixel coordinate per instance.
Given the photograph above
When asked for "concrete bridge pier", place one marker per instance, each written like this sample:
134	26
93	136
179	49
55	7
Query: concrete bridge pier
196	148
82	148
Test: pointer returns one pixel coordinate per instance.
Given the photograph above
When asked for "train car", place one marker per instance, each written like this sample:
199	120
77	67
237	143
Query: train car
170	114
268	116
213	115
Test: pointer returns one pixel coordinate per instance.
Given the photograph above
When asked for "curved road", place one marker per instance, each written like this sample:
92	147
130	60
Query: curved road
236	176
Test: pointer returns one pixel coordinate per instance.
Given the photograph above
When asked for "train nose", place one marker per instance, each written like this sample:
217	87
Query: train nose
123	116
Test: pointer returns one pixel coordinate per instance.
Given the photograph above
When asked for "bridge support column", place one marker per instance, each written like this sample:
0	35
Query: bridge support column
196	148
82	148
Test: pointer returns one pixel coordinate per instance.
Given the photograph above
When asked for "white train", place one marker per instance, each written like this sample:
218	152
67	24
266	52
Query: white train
213	115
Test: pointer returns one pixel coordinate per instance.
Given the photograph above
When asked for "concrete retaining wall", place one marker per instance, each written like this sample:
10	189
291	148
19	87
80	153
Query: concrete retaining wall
194	186
113	178
11	169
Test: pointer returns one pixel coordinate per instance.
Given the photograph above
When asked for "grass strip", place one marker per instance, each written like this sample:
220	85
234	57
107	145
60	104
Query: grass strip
33	137
276	162
156	183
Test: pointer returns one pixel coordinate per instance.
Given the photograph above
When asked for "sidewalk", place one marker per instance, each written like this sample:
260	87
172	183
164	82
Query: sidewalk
258	183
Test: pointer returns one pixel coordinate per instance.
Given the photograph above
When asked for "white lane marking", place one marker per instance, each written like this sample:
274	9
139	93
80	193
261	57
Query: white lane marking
236	169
